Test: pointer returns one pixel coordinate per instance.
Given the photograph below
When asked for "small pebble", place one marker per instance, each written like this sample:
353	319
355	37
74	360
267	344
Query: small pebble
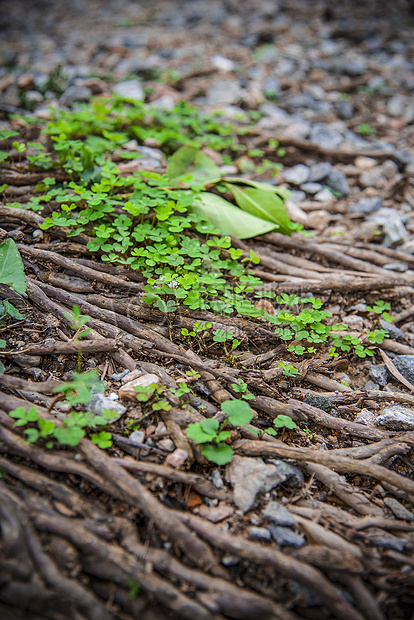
137	437
166	444
130	89
127	391
324	195
311	188
177	458
297	174
399	267
396	418
320	171
365	416
400	511
396	544
216	513
279	515
285	537
217	479
230	560
121	375
259	533
379	374
99	403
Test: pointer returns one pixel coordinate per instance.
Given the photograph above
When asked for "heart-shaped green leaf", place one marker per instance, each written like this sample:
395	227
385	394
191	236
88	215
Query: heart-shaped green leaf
238	412
219	453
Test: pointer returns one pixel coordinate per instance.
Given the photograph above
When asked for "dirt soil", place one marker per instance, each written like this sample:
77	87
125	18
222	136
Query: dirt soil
315	522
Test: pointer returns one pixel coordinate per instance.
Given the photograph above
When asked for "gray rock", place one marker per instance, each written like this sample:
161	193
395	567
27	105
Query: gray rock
279	515
360	307
75	94
393	226
324	195
166	102
285	537
297	196
405	364
271	88
150	153
366	205
344	109
373	178
297	174
119	376
321	402
224	92
325	136
216	513
11	96
396	105
99	402
396	418
394	332
250	476
320	171
137	438
365	416
408	247
130	89
395	231
398	510
217	479
230	560
404	157
259	533
298	129
386	542
338	182
370	385
399	267
350	64
33	96
294	476
273	111
379	374
389	169
166	444
311	188
408	116
223	63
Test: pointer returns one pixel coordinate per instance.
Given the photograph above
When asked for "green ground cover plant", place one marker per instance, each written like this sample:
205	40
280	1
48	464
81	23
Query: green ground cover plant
174	227
210	434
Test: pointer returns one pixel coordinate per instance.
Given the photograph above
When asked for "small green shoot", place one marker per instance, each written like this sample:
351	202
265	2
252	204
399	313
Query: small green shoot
134	588
281	421
241	388
365	130
210	432
288	369
381	307
79	389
